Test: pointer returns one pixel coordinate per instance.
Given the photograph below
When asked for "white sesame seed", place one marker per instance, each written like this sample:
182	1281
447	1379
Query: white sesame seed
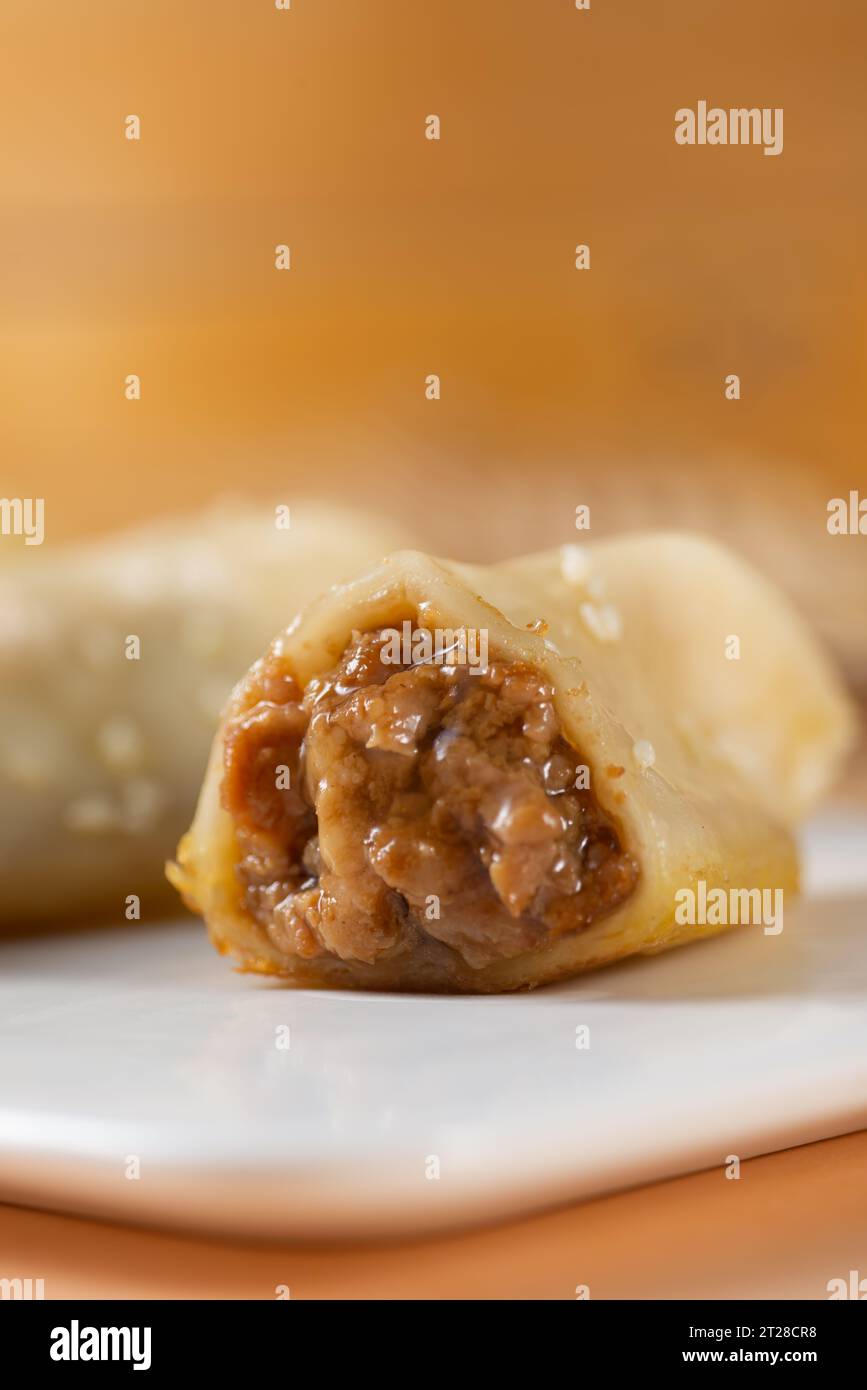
603	621
552	647
644	753
574	564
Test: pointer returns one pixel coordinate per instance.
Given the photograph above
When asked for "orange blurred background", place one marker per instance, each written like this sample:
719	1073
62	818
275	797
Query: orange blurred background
411	256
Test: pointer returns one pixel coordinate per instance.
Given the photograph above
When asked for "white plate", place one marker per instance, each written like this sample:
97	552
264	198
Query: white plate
141	1043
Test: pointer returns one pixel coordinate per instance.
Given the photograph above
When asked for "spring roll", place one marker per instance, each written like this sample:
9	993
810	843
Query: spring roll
446	777
116	658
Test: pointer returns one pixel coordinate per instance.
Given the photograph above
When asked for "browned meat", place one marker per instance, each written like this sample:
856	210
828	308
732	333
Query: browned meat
389	802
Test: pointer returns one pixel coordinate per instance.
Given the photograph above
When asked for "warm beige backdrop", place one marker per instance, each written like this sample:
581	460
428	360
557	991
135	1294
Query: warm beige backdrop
410	257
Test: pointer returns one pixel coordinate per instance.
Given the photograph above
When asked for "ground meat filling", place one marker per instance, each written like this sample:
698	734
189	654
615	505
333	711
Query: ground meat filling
387	805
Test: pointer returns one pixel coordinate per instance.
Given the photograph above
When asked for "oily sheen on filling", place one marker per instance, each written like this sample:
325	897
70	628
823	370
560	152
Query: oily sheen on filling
386	805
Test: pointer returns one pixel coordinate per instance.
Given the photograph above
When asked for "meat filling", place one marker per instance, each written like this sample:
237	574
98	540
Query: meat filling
386	804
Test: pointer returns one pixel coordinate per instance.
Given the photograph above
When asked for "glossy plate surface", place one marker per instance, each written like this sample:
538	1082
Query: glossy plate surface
139	1050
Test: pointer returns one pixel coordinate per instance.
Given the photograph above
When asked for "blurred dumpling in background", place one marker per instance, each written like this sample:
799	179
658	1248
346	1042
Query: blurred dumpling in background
116	657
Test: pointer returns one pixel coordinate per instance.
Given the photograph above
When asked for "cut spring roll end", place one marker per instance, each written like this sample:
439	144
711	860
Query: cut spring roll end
414	791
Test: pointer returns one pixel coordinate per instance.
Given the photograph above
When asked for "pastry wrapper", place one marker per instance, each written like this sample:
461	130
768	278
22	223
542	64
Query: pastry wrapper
637	636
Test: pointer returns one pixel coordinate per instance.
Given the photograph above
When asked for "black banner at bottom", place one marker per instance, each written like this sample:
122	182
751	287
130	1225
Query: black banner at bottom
240	1338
